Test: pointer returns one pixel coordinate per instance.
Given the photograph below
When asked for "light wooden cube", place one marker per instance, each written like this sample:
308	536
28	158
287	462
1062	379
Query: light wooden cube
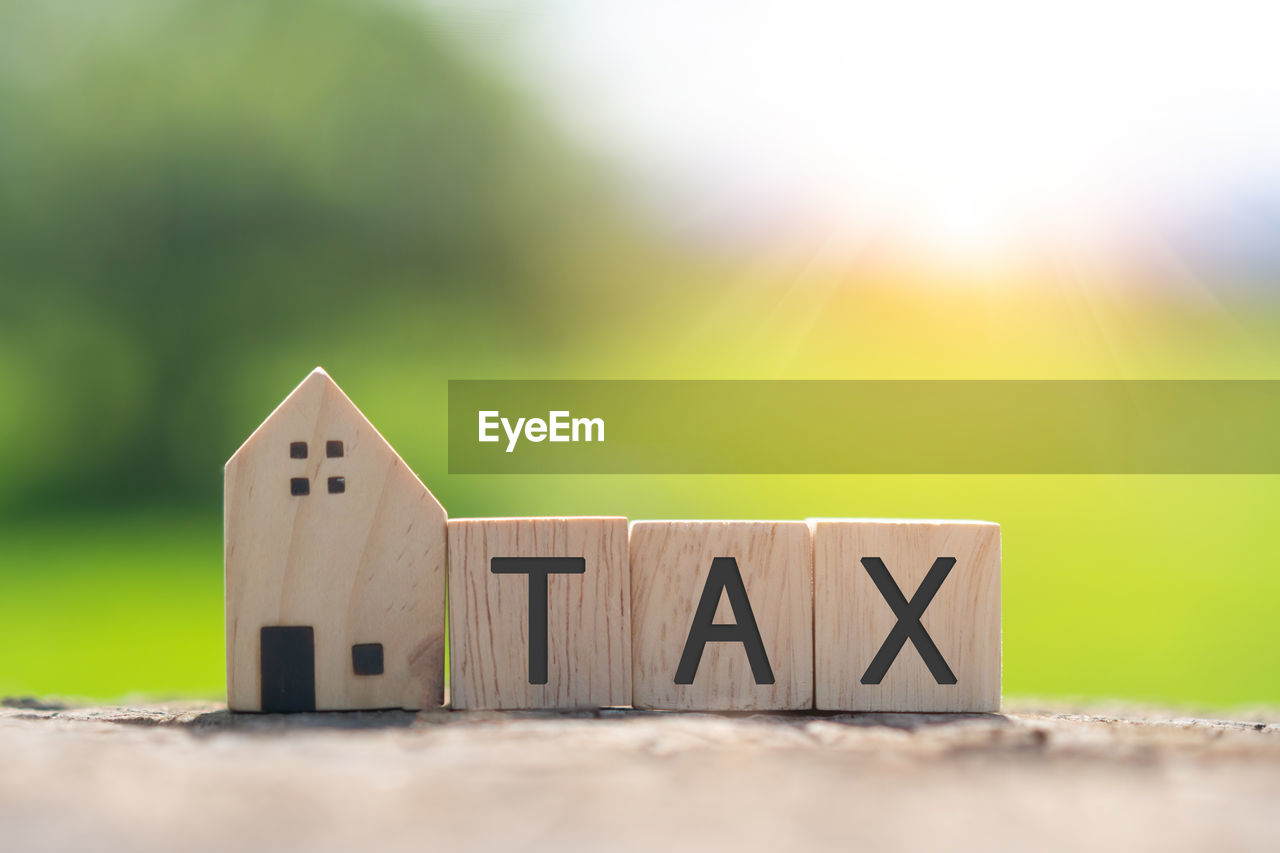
675	566
334	565
498	621
865	571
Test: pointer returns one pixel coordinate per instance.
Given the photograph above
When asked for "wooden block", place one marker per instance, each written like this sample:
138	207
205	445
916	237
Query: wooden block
540	613
335	565
688	578
944	655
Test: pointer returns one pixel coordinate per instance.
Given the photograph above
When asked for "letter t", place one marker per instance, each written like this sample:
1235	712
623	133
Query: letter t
537	568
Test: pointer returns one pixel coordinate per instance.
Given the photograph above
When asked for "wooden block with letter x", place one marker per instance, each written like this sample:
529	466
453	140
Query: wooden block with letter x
722	615
907	615
539	612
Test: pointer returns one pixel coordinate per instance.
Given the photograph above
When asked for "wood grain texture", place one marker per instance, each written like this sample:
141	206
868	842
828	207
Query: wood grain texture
588	615
852	618
670	564
366	565
195	779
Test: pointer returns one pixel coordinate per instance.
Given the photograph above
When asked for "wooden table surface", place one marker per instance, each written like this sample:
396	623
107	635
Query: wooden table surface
194	777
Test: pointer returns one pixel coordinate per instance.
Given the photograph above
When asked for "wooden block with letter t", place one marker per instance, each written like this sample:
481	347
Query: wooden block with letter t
539	613
907	615
722	615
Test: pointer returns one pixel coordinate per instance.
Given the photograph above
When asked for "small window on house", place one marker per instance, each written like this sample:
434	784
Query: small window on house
299	486
366	659
337	485
333	449
297	450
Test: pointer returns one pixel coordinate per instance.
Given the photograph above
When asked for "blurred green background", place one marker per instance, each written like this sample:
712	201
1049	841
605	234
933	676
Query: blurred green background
201	201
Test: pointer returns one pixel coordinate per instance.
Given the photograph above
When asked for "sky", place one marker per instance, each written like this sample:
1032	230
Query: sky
971	133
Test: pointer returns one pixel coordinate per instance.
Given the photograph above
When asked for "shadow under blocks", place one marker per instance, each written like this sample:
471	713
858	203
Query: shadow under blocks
337	559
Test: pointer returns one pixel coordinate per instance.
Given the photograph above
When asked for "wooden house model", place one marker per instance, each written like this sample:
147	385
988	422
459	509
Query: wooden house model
335	565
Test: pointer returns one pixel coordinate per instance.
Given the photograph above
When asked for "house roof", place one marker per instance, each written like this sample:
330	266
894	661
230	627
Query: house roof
318	385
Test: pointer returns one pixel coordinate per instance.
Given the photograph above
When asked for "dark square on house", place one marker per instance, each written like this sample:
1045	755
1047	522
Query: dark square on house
333	449
299	486
297	450
366	658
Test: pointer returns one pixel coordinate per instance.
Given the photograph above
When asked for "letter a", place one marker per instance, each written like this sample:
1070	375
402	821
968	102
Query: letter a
724	578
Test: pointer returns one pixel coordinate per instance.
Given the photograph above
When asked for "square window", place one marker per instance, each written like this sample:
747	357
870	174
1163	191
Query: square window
299	486
366	659
337	485
333	449
297	450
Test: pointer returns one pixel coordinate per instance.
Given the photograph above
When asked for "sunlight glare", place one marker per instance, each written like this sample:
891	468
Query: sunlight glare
959	130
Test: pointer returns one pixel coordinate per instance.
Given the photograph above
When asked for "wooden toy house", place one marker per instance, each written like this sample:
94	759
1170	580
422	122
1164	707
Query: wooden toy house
335	561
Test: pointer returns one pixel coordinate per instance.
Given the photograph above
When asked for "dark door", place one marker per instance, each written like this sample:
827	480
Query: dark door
288	669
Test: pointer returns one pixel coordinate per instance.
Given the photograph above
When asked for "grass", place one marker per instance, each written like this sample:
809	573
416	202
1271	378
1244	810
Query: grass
105	607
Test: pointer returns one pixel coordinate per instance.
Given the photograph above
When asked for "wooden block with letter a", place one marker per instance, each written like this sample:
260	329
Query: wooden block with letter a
907	615
722	615
539	613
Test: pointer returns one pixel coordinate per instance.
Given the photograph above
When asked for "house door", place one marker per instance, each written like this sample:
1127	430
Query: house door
288	668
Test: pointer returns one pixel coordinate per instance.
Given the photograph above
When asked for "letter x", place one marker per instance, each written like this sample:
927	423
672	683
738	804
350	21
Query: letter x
908	626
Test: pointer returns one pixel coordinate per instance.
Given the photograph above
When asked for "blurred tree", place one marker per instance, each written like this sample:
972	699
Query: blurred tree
186	185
